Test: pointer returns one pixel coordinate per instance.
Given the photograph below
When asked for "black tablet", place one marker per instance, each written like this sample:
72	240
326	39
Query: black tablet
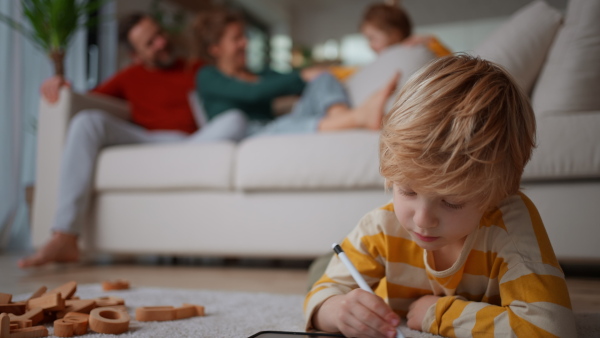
286	334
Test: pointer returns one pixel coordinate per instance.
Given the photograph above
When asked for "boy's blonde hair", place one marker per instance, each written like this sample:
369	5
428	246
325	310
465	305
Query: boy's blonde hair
460	127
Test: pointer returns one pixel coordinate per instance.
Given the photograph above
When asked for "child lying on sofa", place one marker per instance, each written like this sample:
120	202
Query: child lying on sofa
460	251
386	25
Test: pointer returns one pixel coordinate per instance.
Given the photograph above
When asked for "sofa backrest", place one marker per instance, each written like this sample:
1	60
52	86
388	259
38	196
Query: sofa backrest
521	44
570	79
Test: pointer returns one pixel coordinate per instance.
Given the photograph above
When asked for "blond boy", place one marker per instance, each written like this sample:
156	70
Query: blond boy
460	252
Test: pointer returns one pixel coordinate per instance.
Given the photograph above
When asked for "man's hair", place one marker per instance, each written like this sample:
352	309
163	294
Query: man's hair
389	18
209	27
126	24
460	126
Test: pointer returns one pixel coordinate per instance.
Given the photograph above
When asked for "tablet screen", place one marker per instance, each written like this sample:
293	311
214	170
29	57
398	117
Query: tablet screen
277	334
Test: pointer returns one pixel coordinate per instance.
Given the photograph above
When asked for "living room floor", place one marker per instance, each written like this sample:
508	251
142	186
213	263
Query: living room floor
284	277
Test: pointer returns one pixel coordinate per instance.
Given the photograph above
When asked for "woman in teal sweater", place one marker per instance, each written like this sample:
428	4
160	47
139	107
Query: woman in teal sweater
227	84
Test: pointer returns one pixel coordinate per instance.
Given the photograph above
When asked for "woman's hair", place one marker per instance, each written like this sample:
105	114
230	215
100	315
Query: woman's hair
209	27
389	18
460	126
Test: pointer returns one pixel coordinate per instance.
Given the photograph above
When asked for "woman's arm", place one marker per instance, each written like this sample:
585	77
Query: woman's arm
212	84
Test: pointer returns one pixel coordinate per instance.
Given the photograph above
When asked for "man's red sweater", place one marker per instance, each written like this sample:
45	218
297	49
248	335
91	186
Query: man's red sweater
158	98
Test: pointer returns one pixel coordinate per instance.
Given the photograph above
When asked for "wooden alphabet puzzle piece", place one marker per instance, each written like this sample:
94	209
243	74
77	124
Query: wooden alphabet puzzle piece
119	284
48	302
109	301
185	311
77	305
154	313
38	293
164	313
110	321
35	315
78	315
199	309
73	324
28	332
4	326
66	290
5	298
20	324
14	308
63	328
117	307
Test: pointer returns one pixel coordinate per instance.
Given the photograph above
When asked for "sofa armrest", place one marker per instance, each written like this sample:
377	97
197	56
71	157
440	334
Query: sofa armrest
53	123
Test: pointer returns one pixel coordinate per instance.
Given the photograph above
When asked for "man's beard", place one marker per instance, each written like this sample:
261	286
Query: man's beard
167	61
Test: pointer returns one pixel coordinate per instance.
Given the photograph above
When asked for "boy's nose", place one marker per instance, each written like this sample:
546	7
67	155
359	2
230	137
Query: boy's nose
425	219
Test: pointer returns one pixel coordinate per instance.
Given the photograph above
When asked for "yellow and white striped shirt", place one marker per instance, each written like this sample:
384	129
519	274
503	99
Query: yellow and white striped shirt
506	281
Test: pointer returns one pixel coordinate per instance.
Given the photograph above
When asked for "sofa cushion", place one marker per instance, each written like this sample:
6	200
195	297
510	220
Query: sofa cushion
568	148
570	79
327	161
166	167
369	79
521	44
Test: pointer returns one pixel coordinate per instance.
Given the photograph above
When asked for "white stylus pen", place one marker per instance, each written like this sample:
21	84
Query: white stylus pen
357	276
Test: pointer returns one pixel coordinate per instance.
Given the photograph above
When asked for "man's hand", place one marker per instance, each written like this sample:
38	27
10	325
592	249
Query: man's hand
51	87
311	73
357	314
417	310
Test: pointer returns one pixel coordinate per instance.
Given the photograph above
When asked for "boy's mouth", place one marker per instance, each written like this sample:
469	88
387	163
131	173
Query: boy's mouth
425	238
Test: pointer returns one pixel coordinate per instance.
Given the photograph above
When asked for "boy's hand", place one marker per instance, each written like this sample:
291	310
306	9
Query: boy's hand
415	40
357	314
417	310
311	73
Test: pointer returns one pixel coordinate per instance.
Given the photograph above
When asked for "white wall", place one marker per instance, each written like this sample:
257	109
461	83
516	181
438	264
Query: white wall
313	22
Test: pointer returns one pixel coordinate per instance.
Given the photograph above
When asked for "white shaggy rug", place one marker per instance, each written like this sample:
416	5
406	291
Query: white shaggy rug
234	314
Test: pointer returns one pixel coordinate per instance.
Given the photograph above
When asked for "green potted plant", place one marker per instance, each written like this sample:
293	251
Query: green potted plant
53	24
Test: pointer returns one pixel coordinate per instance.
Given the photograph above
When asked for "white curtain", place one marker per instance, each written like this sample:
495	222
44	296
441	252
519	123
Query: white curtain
22	70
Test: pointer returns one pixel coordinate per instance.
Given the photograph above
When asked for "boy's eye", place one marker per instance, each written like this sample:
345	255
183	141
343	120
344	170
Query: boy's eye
407	192
453	206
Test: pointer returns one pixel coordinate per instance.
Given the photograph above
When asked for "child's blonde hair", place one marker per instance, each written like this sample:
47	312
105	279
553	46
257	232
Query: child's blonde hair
462	127
390	18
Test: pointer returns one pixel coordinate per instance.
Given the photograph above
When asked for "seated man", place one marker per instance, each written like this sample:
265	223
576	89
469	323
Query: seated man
156	87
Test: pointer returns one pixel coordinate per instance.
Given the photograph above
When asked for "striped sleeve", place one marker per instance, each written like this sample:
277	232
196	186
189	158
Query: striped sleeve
363	252
533	296
540	311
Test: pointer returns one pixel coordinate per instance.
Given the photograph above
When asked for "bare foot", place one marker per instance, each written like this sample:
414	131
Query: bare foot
61	248
370	113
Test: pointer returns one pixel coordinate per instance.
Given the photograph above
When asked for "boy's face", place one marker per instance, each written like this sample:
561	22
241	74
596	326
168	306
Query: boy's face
377	38
435	222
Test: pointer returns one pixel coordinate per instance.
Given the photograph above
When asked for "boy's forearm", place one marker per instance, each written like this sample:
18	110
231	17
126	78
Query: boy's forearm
518	319
323	318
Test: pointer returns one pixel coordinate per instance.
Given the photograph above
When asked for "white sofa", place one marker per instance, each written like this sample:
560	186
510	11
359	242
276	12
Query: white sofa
291	196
